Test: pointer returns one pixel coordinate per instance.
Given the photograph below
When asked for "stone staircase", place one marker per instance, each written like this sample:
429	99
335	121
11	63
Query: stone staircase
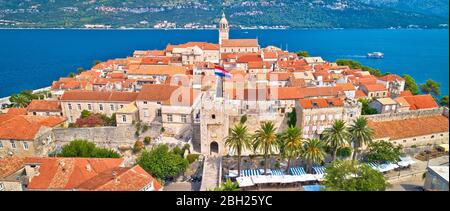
211	177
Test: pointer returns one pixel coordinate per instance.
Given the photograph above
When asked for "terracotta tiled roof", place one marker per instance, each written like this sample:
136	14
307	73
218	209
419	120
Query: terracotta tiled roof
346	86
9	165
116	75
23	127
155	60
17	111
285	93
202	45
240	43
249	57
158	70
421	102
68	173
402	102
360	94
375	87
279	76
44	105
120	179
270	55
399	129
321	103
391	77
156	92
81	95
406	93
259	65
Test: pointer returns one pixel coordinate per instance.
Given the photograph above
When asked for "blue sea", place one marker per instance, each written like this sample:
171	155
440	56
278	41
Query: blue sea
31	59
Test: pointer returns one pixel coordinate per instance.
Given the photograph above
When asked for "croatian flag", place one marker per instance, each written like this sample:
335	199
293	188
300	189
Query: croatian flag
221	72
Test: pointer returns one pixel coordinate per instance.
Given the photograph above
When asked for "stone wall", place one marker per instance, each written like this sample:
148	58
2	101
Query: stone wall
111	137
408	114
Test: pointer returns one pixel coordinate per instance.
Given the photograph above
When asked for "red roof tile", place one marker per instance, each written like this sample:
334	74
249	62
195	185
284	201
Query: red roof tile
414	127
44	105
17	111
421	102
69	173
82	95
321	103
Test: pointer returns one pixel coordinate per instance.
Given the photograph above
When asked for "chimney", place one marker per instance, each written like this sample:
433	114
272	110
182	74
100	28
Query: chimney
114	174
88	167
62	164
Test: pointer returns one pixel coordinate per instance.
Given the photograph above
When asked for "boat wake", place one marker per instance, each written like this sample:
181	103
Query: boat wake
354	56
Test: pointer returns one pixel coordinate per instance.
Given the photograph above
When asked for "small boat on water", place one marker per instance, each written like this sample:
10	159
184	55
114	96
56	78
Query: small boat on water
375	55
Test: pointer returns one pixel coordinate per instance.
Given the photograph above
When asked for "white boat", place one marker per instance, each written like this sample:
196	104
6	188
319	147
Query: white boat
375	55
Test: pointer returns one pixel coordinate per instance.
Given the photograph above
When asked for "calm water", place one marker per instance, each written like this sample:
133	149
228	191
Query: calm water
31	59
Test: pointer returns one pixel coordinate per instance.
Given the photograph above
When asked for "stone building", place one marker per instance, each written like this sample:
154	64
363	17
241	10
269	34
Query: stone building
23	135
412	129
108	103
315	115
44	108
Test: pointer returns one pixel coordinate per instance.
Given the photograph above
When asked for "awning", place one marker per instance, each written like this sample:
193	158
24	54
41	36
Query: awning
250	172
297	171
244	181
277	172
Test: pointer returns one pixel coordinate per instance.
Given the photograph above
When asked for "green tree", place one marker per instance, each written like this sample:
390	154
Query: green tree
104	153
19	101
313	152
80	70
344	152
71	75
431	87
96	62
410	84
147	140
336	136
360	134
383	151
292	137
239	139
265	140
303	54
366	109
228	185
292	118
348	176
444	101
86	149
138	146
243	119
85	114
162	163
356	65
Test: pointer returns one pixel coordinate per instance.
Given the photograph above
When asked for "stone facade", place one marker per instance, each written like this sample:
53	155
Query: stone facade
25	148
72	109
314	121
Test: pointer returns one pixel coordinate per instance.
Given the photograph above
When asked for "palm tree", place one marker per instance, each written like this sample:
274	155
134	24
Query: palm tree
238	139
265	139
19	101
360	134
336	136
292	142
313	152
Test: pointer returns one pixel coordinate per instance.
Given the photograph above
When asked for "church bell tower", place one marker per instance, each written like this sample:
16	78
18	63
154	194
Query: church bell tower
224	30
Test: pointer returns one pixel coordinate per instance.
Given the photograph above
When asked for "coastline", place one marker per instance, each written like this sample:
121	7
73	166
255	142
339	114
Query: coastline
5	100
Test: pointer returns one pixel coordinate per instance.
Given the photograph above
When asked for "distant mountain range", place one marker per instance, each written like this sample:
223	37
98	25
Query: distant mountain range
205	13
